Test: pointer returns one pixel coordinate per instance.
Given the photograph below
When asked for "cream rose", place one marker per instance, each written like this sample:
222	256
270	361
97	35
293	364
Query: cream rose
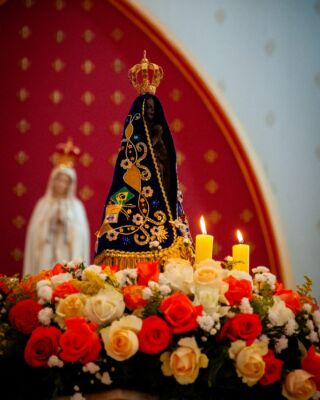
120	338
71	306
207	297
104	307
298	385
209	273
184	363
61	278
249	363
179	274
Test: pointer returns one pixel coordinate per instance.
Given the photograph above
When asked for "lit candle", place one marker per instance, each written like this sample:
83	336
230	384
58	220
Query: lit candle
204	244
240	254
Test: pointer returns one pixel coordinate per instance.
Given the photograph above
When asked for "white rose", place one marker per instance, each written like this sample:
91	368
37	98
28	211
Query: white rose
208	297
209	273
279	314
61	278
45	293
240	275
104	307
179	274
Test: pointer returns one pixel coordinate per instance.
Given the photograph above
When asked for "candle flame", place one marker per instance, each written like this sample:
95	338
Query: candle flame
203	225
240	237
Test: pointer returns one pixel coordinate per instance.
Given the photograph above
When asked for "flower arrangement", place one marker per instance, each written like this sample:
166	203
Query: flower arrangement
205	331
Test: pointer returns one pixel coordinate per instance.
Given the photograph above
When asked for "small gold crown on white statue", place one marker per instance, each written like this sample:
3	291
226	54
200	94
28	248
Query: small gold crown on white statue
66	154
146	76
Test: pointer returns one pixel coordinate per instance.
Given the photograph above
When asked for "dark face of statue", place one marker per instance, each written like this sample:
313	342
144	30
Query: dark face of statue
149	114
61	185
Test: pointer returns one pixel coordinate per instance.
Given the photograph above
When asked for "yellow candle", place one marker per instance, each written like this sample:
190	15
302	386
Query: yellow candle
240	254
204	244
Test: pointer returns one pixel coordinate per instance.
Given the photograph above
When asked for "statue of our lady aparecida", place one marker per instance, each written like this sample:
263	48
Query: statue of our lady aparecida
143	217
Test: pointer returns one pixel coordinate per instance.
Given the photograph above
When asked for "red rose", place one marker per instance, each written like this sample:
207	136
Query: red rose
24	315
63	290
148	271
311	363
290	297
238	289
155	335
58	269
242	326
79	342
273	369
181	314
132	295
42	344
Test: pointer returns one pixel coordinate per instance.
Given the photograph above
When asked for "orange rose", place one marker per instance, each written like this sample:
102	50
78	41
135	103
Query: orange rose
290	297
133	298
311	363
148	271
63	290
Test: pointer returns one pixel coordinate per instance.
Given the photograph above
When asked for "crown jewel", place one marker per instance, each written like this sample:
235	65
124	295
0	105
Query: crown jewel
146	76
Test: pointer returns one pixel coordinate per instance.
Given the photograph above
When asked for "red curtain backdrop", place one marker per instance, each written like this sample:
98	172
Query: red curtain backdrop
63	73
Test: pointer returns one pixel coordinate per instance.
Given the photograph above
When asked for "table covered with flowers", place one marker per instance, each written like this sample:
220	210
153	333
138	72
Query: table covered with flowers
181	331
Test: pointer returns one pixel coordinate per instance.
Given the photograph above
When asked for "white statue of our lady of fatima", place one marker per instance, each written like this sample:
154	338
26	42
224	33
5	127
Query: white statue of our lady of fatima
58	229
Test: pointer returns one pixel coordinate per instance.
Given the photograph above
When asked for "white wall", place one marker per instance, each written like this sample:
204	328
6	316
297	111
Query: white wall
265	57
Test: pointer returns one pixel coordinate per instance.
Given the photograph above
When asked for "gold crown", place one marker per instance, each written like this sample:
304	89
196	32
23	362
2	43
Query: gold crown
146	76
66	154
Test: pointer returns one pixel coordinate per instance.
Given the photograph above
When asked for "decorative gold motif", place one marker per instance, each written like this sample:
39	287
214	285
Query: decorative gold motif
88	98
270	118
211	186
88	36
58	65
19	189
21	157
19	221
23	94
117	97
86	159
175	95
210	156
17	254
215	216
145	77
180	157
24	63
87	67
117	65
60	5
87	5
25	32
29	3
87	128
59	36
220	15
270	47
116	128
129	259
56	128
112	159
246	215
66	153
23	126
117	34
56	96
182	187
176	125
86	193
216	248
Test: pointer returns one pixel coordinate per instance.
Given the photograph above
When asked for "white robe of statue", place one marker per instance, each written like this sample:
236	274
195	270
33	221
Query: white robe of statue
58	229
